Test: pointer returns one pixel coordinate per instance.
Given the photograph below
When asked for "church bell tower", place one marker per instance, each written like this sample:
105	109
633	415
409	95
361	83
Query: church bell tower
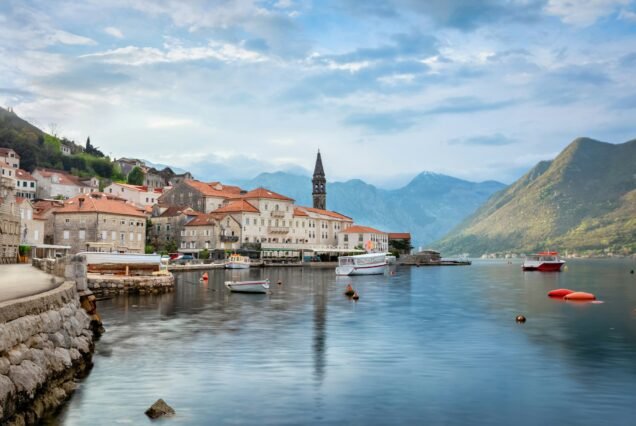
319	184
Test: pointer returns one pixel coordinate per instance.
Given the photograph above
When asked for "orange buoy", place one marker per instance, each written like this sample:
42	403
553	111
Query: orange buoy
560	292
204	277
580	295
355	296
349	291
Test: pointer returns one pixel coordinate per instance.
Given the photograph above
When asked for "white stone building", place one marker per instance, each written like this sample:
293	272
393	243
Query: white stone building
26	185
140	195
10	157
364	237
31	225
57	183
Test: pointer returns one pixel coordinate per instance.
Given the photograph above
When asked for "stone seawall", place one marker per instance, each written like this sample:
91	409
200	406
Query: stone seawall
45	344
104	285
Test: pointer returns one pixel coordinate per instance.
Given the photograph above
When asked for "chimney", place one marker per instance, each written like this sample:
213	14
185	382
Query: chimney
81	201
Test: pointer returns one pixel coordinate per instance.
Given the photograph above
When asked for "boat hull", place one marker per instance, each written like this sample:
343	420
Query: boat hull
237	265
247	286
544	266
361	270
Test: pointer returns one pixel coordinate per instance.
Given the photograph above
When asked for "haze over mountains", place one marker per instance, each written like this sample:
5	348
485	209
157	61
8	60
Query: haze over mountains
428	207
583	200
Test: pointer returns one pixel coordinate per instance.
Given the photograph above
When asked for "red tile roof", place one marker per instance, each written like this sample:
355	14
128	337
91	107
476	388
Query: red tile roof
23	175
237	206
299	212
178	210
65	178
209	189
5	152
330	213
357	229
98	202
399	236
44	206
265	193
140	188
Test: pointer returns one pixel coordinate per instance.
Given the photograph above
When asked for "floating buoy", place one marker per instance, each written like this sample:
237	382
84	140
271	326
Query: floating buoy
349	291
204	277
580	295
560	292
520	318
355	296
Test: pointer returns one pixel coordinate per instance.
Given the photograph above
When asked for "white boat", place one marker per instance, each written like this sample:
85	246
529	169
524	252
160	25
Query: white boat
545	261
248	286
362	264
236	261
97	258
390	259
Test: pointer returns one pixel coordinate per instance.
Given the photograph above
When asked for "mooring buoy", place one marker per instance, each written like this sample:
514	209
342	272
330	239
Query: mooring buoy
520	319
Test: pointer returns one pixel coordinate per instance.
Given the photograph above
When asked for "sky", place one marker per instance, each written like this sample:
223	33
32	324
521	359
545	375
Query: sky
479	90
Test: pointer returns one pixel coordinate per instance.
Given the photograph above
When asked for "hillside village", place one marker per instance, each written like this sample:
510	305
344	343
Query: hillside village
168	213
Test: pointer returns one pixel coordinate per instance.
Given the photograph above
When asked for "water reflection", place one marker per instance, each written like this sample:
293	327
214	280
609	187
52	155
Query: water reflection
426	345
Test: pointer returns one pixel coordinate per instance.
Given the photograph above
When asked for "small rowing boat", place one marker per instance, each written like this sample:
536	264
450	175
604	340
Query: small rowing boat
248	286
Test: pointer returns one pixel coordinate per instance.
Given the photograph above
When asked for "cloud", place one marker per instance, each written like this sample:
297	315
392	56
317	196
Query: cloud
583	12
384	122
166	122
137	56
467	104
627	102
496	139
115	32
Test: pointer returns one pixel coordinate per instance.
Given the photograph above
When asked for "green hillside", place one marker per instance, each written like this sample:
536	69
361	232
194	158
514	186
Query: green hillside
584	201
39	149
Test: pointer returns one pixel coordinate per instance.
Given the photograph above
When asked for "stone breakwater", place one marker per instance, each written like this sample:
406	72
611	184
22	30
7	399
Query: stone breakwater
104	285
45	344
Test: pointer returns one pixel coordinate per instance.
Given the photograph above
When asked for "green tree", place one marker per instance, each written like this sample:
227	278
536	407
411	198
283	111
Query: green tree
204	254
149	249
136	176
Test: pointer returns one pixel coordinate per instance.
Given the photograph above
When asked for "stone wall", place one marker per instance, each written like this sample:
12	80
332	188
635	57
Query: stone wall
45	344
103	285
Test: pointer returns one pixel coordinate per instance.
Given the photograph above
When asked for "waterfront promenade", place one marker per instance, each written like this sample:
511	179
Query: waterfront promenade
22	280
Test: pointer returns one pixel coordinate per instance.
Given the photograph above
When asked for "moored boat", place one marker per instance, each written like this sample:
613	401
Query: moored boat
260	286
236	261
545	261
362	264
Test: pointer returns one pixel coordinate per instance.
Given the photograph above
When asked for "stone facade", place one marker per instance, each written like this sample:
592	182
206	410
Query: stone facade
103	285
211	232
167	225
61	184
362	236
120	233
140	195
45	343
31	225
9	221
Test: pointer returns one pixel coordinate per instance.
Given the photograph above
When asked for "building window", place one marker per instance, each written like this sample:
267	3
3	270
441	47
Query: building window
122	238
104	235
138	237
66	235
113	236
82	234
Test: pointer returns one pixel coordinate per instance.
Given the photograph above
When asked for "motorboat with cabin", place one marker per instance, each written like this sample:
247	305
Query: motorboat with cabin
545	261
362	264
236	261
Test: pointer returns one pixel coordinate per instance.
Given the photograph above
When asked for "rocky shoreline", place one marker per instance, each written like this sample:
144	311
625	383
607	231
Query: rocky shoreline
46	343
109	285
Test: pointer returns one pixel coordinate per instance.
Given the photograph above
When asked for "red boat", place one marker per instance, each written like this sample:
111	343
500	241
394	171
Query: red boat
545	261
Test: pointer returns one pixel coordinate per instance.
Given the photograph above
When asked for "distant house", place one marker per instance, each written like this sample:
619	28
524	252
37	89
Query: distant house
400	242
212	231
138	194
66	148
58	183
201	196
364	237
9	221
100	222
26	185
127	164
10	157
31	224
44	210
153	178
167	224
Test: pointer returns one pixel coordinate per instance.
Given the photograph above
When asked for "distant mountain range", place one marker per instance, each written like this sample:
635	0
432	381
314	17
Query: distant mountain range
428	207
583	200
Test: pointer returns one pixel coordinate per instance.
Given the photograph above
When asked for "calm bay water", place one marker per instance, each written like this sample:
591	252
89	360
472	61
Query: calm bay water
429	345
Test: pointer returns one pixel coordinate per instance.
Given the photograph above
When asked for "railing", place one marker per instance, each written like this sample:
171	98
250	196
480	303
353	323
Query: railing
278	229
229	238
278	213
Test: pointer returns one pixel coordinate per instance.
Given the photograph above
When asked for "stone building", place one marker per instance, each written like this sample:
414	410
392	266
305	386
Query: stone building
127	164
319	185
31	224
44	210
26	185
167	224
9	156
364	237
200	196
60	184
100	222
137	194
400	242
211	231
9	221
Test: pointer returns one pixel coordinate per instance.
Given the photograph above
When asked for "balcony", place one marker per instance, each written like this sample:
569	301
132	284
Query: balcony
229	238
278	230
278	213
